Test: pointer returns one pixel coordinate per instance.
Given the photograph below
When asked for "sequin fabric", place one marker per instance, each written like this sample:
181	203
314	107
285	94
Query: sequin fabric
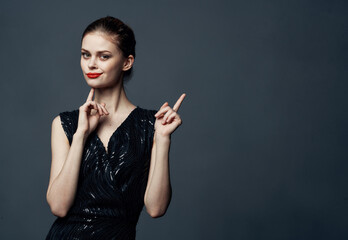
112	182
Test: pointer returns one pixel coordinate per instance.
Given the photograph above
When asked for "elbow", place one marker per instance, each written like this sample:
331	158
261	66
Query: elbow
157	210
59	212
156	213
57	209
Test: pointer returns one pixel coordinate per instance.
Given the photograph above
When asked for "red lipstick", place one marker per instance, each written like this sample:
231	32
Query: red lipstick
93	75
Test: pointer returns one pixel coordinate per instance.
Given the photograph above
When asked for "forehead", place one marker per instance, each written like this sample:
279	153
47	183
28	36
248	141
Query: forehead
95	42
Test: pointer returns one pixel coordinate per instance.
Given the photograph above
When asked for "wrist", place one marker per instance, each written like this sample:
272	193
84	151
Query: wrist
80	134
162	138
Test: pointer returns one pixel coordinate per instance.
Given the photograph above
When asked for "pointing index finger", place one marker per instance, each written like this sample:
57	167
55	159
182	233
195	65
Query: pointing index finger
178	103
90	95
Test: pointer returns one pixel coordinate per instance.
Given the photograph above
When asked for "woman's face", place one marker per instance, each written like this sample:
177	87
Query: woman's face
100	55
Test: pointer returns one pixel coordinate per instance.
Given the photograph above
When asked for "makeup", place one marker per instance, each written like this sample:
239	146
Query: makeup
93	75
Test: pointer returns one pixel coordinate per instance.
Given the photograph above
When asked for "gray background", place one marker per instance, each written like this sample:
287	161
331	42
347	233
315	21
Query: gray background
262	152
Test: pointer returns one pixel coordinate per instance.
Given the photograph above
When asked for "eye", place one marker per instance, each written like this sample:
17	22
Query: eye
84	54
105	57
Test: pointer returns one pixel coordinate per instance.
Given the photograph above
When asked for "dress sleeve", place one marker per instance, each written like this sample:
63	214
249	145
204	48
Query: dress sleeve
69	120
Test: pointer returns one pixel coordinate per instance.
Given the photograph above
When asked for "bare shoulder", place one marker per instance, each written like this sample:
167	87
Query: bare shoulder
58	131
56	121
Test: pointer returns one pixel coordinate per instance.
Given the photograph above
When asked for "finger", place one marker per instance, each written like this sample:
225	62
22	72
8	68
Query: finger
161	108
101	112
92	106
164	104
90	95
89	104
178	103
171	117
104	108
170	111
162	111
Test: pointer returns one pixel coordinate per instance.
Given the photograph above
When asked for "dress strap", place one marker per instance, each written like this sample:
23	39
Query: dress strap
69	120
151	126
152	119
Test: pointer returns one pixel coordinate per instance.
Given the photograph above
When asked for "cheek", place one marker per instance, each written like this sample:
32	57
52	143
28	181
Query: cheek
83	63
111	72
110	67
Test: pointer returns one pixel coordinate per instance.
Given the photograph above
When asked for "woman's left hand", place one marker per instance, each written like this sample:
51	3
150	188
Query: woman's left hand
167	118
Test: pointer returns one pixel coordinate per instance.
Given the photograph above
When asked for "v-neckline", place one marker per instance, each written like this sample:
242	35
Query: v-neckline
107	149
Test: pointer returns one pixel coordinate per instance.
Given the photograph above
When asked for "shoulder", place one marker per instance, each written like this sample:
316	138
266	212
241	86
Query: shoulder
147	123
147	114
68	121
69	115
65	116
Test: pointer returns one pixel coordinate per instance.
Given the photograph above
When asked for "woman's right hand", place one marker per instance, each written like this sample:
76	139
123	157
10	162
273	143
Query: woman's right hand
88	121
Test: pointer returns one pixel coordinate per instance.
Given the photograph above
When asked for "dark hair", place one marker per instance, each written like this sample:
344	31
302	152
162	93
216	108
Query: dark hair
120	33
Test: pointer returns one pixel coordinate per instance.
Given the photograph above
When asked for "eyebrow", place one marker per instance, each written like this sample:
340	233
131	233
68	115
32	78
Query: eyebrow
97	51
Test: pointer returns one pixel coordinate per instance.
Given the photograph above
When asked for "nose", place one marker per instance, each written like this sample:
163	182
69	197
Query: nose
92	63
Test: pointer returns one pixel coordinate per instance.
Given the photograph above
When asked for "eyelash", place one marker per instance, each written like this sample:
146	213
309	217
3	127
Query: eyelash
107	56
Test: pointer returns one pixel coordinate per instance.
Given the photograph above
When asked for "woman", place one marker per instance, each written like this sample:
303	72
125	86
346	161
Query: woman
109	157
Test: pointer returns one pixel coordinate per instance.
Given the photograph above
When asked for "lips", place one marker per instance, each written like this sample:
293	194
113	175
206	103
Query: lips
93	75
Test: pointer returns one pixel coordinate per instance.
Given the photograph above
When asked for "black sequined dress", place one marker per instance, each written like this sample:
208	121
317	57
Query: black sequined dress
112	183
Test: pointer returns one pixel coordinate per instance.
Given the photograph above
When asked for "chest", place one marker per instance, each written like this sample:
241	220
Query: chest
128	148
115	170
105	131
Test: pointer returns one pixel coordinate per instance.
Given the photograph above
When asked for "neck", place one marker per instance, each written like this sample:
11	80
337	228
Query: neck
115	99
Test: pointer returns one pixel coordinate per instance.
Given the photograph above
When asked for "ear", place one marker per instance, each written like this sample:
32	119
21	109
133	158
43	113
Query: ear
128	63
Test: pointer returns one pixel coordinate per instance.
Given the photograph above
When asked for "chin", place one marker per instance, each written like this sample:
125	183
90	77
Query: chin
96	84
93	83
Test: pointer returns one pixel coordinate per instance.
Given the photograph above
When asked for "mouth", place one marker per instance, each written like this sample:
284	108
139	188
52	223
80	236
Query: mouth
93	75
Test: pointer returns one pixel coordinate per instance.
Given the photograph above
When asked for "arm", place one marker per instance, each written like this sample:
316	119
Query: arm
65	167
158	191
